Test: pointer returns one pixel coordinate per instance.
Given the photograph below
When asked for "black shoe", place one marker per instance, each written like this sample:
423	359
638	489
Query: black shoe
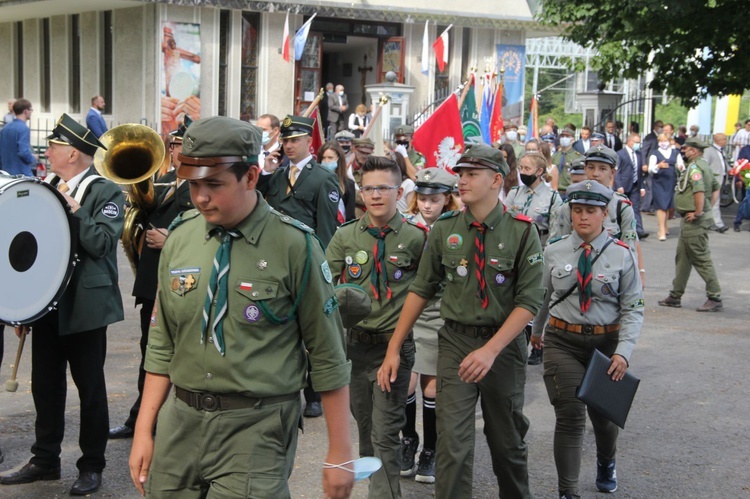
737	227
88	482
722	229
426	467
606	476
313	410
535	357
123	431
409	446
30	473
643	235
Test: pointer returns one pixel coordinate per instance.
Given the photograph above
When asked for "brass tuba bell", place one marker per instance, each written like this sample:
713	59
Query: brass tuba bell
134	153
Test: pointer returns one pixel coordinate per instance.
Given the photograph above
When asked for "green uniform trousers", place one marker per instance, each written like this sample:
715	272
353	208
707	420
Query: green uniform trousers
566	355
239	453
380	415
501	393
693	252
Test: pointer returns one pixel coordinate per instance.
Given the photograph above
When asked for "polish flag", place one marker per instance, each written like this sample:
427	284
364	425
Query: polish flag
285	42
441	49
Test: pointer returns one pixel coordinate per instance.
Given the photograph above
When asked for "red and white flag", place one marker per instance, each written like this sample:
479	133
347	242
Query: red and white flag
441	49
317	133
285	42
440	139
496	120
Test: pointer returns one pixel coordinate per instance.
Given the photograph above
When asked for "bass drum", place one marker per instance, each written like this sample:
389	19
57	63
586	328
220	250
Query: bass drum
37	248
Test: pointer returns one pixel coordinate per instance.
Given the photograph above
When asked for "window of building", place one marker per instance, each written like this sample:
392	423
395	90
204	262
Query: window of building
18	82
107	54
249	82
44	70
442	78
223	66
74	71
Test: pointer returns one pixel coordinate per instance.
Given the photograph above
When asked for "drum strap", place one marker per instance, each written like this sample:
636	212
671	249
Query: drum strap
82	187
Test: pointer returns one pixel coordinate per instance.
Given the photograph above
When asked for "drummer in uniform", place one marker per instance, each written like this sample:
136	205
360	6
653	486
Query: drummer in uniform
75	333
492	265
243	291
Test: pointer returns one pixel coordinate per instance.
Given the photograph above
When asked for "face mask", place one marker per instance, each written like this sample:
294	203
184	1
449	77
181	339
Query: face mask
663	145
330	165
637	147
512	136
521	138
341	93
693	133
566	141
266	138
658	130
528	180
404	143
346	148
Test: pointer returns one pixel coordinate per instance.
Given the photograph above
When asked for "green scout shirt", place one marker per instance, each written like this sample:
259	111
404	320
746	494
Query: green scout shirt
518	148
350	255
562	160
416	159
262	358
696	177
617	296
536	204
449	257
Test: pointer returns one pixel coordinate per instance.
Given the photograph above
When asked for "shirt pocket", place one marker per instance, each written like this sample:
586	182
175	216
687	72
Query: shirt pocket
400	265
607	284
564	277
503	268
244	306
303	195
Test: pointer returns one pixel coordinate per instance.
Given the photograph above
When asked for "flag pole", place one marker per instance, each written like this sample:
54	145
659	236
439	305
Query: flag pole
314	103
465	91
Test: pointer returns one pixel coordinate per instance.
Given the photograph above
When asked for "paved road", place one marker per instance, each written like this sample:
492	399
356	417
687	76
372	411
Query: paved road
686	435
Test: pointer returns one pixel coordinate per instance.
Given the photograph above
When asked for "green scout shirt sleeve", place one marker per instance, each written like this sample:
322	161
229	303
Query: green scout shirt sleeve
529	288
431	273
540	319
160	348
560	224
327	208
697	179
628	231
335	252
631	306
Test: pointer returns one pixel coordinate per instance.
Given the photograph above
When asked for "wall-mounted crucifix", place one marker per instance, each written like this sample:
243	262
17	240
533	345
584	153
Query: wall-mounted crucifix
364	69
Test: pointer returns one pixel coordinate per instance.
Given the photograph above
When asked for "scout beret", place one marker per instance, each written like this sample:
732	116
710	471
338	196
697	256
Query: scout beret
567	131
363	144
577	167
589	192
548	137
69	132
212	145
603	154
597	136
482	156
354	304
510	126
522	130
344	135
695	142
176	136
404	130
296	126
434	181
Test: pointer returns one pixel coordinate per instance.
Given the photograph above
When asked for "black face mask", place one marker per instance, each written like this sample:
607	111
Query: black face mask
346	148
528	180
404	143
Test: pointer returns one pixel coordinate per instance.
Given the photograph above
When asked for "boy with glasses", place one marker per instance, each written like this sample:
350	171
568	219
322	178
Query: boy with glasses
379	252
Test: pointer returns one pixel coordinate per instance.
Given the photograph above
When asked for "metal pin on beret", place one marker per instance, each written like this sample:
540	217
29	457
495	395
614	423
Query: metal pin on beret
404	130
482	156
69	132
589	192
363	144
567	131
296	126
577	167
344	136
434	181
601	153
212	145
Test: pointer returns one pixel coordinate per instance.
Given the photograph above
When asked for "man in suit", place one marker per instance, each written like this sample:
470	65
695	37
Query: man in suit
75	333
611	139
94	118
650	145
16	157
583	144
628	179
714	155
338	104
172	198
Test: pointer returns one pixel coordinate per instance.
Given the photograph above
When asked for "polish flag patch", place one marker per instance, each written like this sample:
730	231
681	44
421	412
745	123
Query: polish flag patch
246	286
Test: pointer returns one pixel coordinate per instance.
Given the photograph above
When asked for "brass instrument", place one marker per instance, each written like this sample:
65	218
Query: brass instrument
134	153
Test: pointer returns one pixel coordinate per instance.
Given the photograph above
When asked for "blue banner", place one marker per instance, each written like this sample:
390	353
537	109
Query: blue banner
512	59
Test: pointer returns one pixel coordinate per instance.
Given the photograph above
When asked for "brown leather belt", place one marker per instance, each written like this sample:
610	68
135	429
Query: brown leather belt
211	402
582	328
370	337
485	332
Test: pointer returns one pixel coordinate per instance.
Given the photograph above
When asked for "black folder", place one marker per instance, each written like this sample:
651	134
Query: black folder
611	399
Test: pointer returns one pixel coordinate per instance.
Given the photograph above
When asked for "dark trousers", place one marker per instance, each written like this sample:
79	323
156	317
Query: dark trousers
147	308
50	355
635	197
647	199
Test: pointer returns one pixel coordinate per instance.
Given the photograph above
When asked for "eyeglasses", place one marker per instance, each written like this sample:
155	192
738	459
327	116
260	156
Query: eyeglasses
369	190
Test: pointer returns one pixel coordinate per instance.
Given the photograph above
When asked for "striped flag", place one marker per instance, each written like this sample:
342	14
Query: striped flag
285	42
441	49
425	66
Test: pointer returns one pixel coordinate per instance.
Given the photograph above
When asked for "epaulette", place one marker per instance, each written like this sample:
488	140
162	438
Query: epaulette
523	218
182	218
417	224
558	238
450	214
292	221
620	243
514	188
350	222
619	195
627	201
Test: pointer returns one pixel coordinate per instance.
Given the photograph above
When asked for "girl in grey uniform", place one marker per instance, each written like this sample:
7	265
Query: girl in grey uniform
433	198
594	301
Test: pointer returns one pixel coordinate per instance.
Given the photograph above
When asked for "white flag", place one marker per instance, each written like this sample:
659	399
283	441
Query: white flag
425	50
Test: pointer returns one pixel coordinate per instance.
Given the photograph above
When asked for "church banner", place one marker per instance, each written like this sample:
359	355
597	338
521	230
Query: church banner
181	74
512	59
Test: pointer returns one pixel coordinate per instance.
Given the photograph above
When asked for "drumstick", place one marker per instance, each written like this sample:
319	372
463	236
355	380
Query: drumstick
12	385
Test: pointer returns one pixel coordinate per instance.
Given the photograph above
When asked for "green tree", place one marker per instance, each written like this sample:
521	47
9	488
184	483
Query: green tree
665	36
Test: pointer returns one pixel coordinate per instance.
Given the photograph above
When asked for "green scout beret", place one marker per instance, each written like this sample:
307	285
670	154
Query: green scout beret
212	145
510	126
577	167
603	154
69	132
589	192
344	135
695	142
482	156
354	304
522	130
567	131
434	181
404	130
363	144
296	126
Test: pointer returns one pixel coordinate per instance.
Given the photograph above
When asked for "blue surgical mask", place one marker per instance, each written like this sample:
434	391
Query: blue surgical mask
330	165
341	93
512	136
637	146
266	138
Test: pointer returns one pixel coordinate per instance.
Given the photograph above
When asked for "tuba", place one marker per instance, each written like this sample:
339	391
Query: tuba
134	153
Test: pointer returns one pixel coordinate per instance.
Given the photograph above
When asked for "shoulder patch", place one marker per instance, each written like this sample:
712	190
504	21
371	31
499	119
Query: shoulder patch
182	218
417	224
514	188
450	214
620	243
523	218
292	221
350	222
556	239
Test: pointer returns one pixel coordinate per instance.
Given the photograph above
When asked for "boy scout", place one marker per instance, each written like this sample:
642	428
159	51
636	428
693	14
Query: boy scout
563	159
492	266
227	332
693	202
379	252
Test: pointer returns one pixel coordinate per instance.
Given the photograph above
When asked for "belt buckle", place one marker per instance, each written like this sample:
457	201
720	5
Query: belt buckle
484	332
587	328
209	402
364	337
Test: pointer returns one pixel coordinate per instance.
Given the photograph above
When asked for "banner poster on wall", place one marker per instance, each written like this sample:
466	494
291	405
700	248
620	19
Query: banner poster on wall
180	74
512	59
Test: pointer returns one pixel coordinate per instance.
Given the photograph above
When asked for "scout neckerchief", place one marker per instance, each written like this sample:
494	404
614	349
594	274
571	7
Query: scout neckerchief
584	277
527	203
479	262
378	252
217	286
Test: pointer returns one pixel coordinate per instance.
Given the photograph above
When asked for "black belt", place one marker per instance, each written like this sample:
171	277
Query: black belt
484	332
370	337
543	232
211	402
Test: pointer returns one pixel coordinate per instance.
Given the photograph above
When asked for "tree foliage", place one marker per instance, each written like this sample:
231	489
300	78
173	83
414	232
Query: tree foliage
694	47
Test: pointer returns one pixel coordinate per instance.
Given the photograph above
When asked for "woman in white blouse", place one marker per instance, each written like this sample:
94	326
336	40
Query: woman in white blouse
358	121
663	165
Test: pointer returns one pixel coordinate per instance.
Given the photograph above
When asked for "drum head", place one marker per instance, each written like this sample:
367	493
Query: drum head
36	250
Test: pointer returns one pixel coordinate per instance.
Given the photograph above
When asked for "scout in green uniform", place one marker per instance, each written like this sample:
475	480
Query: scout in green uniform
243	292
363	149
606	314
492	266
304	190
696	191
563	158
511	137
402	136
380	253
